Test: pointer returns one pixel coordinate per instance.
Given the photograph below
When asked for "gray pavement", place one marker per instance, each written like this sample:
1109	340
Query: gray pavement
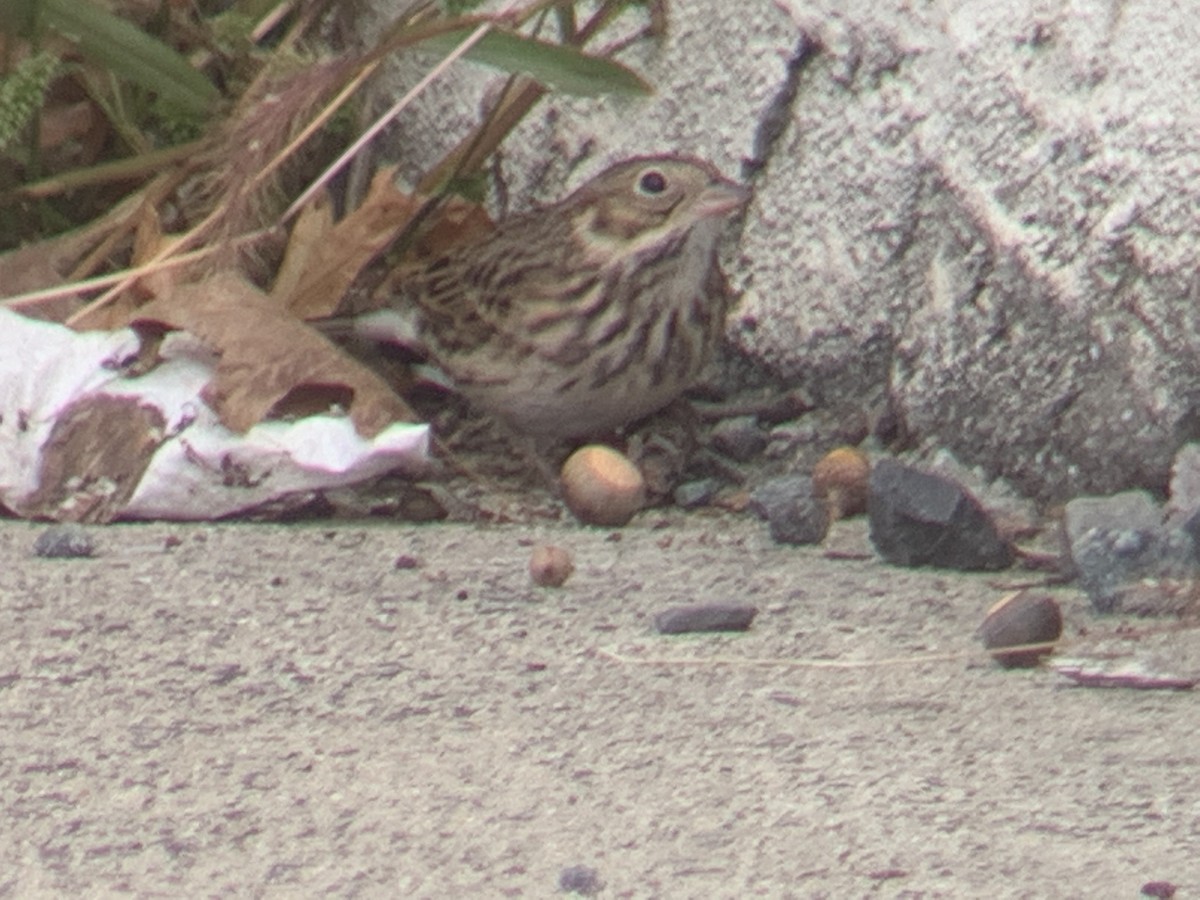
268	710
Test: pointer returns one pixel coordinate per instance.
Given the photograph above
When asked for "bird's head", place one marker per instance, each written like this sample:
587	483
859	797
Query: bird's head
650	196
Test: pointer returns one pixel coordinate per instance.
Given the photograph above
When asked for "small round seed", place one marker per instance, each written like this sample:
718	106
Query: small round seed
550	566
601	486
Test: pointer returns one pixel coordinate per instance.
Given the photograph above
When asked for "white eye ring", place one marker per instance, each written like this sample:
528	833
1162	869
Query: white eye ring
651	183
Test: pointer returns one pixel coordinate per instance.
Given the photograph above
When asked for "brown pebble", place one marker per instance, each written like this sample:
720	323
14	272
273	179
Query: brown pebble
601	486
705	617
550	566
1022	618
843	476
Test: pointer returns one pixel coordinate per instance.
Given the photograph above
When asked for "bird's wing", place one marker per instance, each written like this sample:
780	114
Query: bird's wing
502	288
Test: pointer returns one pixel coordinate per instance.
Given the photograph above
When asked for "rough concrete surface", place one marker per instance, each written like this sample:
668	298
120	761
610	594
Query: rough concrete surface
982	212
252	710
988	207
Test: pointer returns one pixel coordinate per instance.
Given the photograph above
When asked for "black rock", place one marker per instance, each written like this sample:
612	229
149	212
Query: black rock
1119	543
795	513
64	542
919	519
705	617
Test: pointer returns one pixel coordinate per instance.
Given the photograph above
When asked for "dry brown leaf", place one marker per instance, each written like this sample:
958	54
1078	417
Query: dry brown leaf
47	263
147	235
334	263
311	230
270	363
148	240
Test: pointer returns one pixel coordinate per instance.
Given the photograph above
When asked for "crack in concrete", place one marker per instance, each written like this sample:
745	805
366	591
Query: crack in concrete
778	114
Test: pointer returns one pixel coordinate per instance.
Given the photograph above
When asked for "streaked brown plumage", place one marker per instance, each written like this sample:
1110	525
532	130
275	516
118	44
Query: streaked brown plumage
589	314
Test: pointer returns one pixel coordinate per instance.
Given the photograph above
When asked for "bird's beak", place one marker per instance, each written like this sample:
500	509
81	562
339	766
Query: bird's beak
721	197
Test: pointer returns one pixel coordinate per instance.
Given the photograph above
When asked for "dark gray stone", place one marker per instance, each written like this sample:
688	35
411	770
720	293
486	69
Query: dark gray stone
1131	511
705	617
1119	543
919	519
1185	483
739	438
691	494
794	512
64	542
582	880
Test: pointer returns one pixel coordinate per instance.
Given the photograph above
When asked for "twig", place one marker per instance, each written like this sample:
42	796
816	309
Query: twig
32	298
383	121
752	661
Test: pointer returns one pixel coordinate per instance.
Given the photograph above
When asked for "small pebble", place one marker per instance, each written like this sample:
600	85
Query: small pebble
550	566
705	617
1022	618
582	880
843	476
795	513
1164	889
404	561
740	438
691	494
601	486
1119	546
64	542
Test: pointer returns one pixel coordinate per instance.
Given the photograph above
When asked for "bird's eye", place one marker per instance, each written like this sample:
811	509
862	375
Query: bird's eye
652	182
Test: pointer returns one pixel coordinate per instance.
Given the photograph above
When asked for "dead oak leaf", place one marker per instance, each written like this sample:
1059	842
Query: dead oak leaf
330	259
270	364
311	229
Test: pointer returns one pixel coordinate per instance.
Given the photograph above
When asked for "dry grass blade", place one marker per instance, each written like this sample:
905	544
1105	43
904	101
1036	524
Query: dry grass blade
783	662
384	120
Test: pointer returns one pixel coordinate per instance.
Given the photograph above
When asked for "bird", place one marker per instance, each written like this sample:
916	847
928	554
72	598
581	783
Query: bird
589	314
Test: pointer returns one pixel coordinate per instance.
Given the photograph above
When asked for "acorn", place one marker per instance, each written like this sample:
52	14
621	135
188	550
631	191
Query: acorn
1019	619
601	486
550	566
843	476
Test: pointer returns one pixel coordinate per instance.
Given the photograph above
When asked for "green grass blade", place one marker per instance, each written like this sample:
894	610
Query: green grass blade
556	66
129	52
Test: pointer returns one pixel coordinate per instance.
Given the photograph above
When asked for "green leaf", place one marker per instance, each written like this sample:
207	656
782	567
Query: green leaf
128	52
460	7
556	66
22	93
18	16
